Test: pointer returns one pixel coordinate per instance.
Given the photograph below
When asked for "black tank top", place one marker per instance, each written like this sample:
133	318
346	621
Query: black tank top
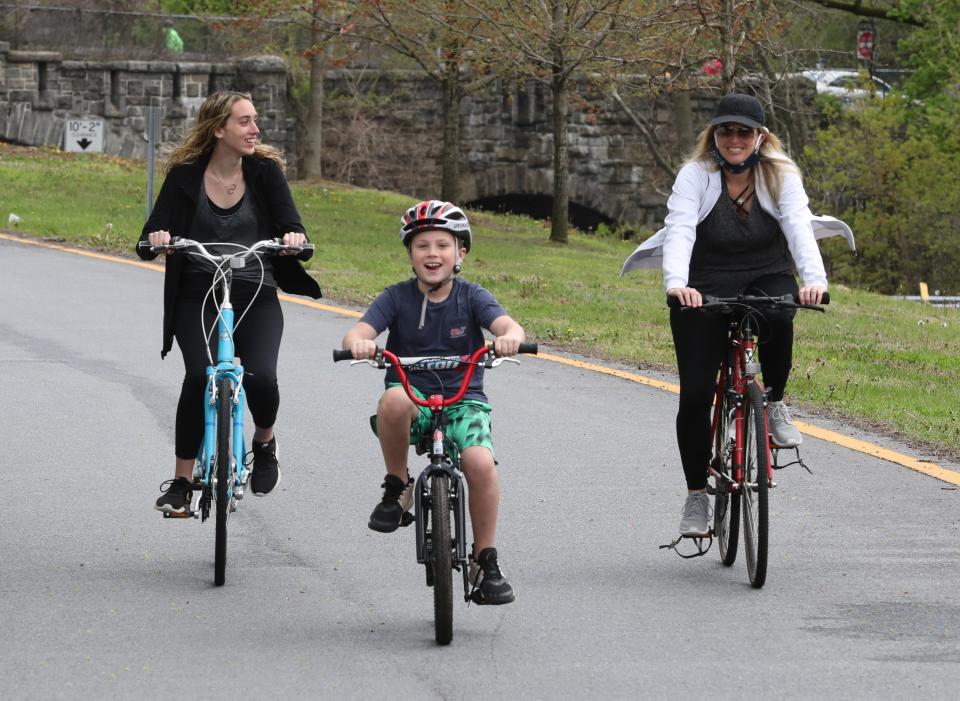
731	252
212	225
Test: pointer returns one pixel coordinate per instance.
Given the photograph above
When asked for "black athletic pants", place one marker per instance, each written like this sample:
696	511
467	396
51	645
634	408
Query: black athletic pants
256	342
700	341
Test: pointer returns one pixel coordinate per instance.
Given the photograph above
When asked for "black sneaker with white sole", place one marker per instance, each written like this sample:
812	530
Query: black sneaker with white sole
490	587
266	467
393	510
176	496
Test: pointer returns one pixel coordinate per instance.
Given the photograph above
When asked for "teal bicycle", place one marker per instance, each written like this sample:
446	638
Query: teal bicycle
221	473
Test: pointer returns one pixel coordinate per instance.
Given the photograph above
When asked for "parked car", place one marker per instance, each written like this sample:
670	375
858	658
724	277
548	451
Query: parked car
848	85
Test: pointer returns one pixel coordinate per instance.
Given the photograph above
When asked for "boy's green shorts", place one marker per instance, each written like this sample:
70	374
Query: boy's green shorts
468	424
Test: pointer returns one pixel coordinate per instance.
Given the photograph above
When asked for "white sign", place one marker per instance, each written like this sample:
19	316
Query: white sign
83	135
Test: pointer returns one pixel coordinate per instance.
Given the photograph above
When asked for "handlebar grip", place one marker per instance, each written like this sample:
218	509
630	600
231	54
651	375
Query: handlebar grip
673	302
307	253
339	354
528	347
826	298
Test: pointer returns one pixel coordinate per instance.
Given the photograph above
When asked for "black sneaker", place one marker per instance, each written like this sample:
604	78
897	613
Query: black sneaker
176	497
266	469
490	587
393	510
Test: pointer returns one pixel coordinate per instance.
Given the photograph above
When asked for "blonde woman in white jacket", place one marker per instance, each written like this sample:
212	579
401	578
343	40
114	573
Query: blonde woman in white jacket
738	221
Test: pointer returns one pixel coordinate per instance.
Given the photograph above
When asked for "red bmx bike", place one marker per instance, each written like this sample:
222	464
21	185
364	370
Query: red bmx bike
440	491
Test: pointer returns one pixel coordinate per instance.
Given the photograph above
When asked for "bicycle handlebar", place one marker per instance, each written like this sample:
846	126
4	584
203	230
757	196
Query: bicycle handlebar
711	303
339	354
274	245
384	358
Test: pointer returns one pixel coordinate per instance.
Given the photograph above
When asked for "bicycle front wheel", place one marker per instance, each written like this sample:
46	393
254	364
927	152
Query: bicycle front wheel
223	476
726	508
442	557
755	485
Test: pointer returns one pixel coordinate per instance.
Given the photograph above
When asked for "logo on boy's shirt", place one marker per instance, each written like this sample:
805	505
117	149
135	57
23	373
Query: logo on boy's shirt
458	332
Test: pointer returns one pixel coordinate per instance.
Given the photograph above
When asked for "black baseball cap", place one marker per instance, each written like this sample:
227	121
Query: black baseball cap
740	109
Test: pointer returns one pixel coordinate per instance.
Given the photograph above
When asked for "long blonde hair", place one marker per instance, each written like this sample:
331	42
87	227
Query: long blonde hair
774	161
201	139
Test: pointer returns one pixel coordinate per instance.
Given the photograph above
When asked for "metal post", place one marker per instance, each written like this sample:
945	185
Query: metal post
152	137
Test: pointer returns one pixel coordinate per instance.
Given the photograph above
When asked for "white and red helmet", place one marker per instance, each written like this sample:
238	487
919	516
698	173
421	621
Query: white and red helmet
435	214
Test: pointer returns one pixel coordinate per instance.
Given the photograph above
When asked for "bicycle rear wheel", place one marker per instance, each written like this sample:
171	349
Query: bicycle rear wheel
755	485
726	508
223	477
442	556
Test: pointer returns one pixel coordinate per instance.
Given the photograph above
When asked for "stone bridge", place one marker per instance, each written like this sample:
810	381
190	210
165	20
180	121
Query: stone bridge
381	129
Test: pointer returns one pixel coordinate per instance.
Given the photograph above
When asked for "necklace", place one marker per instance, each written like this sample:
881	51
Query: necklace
229	188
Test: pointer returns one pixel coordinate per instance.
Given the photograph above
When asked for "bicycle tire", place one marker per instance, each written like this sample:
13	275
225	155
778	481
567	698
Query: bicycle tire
442	556
726	507
755	472
223	476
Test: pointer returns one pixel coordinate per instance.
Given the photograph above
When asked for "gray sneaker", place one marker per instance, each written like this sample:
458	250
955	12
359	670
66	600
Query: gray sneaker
695	517
783	433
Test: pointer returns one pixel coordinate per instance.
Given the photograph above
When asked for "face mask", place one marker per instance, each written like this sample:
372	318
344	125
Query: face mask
751	161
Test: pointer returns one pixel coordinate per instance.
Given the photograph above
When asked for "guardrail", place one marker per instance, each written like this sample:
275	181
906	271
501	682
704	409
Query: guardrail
937	300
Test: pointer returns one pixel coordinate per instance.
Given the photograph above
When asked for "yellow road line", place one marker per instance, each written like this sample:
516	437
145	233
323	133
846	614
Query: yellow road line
79	252
927	468
924	467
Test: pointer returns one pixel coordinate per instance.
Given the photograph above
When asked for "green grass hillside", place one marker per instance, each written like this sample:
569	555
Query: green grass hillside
873	359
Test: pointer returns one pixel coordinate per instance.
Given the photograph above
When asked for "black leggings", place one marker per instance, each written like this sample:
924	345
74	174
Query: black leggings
700	341
256	343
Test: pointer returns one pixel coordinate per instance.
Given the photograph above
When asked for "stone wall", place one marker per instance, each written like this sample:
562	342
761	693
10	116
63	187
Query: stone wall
384	129
381	128
39	91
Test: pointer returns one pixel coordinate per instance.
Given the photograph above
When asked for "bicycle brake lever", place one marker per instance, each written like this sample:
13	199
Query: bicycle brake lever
496	361
368	361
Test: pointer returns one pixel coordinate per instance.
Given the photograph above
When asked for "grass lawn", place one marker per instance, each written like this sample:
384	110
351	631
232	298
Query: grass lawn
881	361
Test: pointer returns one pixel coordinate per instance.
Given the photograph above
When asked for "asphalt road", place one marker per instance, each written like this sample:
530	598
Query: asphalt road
101	597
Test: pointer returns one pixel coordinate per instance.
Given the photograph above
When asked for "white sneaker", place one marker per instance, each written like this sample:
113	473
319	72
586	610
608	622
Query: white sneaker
783	433
695	517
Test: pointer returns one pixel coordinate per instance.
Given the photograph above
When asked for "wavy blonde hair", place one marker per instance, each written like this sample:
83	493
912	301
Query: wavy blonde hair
774	161
201	139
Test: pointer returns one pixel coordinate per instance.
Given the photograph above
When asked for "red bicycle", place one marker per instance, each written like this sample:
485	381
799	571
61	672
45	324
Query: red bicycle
741	462
440	490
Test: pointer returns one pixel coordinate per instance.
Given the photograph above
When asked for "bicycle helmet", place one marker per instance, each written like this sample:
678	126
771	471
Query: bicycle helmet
435	214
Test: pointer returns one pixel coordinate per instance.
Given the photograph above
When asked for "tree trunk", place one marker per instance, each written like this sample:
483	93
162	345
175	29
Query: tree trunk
561	189
313	131
452	95
729	48
683	121
558	87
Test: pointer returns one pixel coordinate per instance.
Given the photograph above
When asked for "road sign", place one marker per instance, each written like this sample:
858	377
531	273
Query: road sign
83	135
866	39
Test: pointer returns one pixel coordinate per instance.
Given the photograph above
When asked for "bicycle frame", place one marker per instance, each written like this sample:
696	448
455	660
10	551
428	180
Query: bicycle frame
441	460
444	461
738	370
228	366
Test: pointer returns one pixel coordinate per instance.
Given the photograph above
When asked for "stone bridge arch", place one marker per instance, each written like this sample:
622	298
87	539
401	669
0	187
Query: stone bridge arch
514	190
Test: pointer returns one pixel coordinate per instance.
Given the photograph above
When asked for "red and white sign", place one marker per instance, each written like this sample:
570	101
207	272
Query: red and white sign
865	40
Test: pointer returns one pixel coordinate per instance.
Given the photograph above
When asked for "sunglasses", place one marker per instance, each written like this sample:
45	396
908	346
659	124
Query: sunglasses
733	130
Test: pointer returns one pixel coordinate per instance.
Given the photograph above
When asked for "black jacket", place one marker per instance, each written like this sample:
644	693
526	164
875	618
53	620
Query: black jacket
276	215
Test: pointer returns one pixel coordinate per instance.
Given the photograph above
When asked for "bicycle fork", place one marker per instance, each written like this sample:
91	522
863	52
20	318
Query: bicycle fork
422	503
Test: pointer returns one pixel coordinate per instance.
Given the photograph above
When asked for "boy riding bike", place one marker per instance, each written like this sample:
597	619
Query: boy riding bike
437	313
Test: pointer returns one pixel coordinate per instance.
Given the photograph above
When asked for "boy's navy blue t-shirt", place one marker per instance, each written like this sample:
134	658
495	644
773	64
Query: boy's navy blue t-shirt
451	327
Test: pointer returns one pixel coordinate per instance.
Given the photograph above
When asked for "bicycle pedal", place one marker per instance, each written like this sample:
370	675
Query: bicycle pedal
182	514
406	519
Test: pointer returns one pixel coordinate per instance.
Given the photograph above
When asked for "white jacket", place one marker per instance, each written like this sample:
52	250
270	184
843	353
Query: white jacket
695	192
